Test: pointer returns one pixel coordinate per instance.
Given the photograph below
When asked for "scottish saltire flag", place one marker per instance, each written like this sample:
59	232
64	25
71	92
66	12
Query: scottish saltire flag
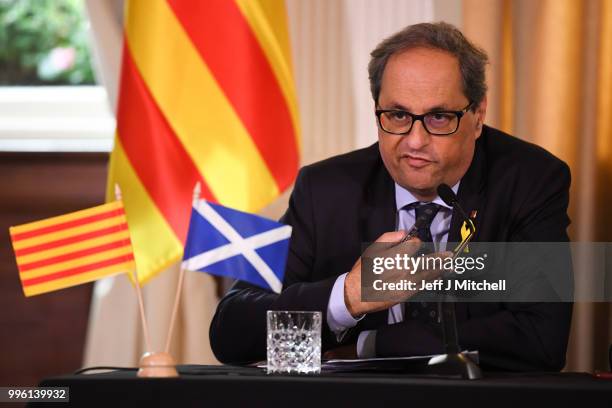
227	242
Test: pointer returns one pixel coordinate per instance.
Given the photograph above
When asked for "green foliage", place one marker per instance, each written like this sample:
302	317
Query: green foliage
44	42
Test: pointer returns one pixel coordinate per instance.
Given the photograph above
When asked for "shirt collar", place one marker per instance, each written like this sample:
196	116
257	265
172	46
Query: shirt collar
404	197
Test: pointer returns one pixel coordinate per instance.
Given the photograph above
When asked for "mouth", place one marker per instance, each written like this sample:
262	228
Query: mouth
416	161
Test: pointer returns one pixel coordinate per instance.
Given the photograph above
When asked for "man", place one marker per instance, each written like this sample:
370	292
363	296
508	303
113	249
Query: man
429	91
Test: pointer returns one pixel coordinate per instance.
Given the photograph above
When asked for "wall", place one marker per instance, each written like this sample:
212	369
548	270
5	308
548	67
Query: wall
43	335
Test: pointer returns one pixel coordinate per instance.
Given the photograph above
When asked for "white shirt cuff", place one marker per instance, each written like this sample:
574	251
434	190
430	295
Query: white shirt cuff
339	319
366	344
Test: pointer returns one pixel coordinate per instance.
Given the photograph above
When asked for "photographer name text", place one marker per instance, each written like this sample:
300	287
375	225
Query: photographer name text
440	284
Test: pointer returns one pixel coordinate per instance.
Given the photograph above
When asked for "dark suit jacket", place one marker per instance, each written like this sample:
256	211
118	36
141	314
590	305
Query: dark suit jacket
521	193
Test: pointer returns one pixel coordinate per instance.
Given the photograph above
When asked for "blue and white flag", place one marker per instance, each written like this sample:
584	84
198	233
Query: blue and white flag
226	242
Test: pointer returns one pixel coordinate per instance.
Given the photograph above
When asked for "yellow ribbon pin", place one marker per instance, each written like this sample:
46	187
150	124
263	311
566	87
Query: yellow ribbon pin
465	233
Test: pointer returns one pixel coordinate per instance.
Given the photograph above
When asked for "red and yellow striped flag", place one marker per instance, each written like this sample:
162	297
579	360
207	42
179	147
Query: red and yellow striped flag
207	95
71	249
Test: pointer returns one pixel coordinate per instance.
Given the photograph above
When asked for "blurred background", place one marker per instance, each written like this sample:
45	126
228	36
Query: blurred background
550	82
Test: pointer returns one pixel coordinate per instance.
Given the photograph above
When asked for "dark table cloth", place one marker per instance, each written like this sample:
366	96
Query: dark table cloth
219	386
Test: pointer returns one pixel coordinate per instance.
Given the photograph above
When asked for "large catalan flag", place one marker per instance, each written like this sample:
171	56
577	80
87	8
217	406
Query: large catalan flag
71	249
207	95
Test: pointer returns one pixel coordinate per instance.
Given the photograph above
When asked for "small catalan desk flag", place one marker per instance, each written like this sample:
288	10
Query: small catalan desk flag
72	249
226	242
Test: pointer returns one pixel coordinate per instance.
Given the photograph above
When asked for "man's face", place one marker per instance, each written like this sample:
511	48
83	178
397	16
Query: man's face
421	80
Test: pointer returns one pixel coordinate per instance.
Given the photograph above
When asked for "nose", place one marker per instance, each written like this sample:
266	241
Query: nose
418	137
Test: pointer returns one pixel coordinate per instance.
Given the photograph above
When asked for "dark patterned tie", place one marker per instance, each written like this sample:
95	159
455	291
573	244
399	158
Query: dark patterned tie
424	215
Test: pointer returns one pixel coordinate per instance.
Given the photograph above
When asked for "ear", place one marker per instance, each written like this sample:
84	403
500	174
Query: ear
480	114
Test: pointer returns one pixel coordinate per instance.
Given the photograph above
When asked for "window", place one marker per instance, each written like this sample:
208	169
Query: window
49	99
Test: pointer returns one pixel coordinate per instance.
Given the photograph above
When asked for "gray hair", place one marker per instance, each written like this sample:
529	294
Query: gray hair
442	36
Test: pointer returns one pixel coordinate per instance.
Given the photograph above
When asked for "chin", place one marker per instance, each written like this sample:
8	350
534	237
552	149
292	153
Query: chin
419	184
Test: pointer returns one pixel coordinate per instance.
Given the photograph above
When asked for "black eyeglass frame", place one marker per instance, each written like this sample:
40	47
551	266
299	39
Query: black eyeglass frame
421	117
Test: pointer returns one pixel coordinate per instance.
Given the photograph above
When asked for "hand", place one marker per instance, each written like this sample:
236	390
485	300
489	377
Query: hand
353	283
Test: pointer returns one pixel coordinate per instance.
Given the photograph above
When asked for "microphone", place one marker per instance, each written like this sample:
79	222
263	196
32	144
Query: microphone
447	194
450	198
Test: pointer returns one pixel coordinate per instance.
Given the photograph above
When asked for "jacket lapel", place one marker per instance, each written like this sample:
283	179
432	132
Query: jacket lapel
377	214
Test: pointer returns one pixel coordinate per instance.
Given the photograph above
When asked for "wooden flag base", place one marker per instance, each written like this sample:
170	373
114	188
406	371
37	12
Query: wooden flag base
159	365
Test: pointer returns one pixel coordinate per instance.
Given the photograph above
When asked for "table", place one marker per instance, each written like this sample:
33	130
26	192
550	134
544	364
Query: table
219	386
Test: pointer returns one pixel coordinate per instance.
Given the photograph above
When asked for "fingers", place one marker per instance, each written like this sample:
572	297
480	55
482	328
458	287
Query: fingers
392	236
395	240
390	260
404	276
397	237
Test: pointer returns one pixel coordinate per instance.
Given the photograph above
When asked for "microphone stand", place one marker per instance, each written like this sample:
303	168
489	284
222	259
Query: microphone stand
453	362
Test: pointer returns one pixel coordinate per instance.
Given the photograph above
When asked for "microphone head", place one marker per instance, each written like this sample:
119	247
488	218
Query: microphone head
447	194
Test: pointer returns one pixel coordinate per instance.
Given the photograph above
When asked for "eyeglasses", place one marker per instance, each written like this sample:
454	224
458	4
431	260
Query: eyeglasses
438	123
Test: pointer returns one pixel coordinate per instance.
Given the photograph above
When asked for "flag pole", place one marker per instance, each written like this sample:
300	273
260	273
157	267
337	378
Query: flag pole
143	318
152	364
179	286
